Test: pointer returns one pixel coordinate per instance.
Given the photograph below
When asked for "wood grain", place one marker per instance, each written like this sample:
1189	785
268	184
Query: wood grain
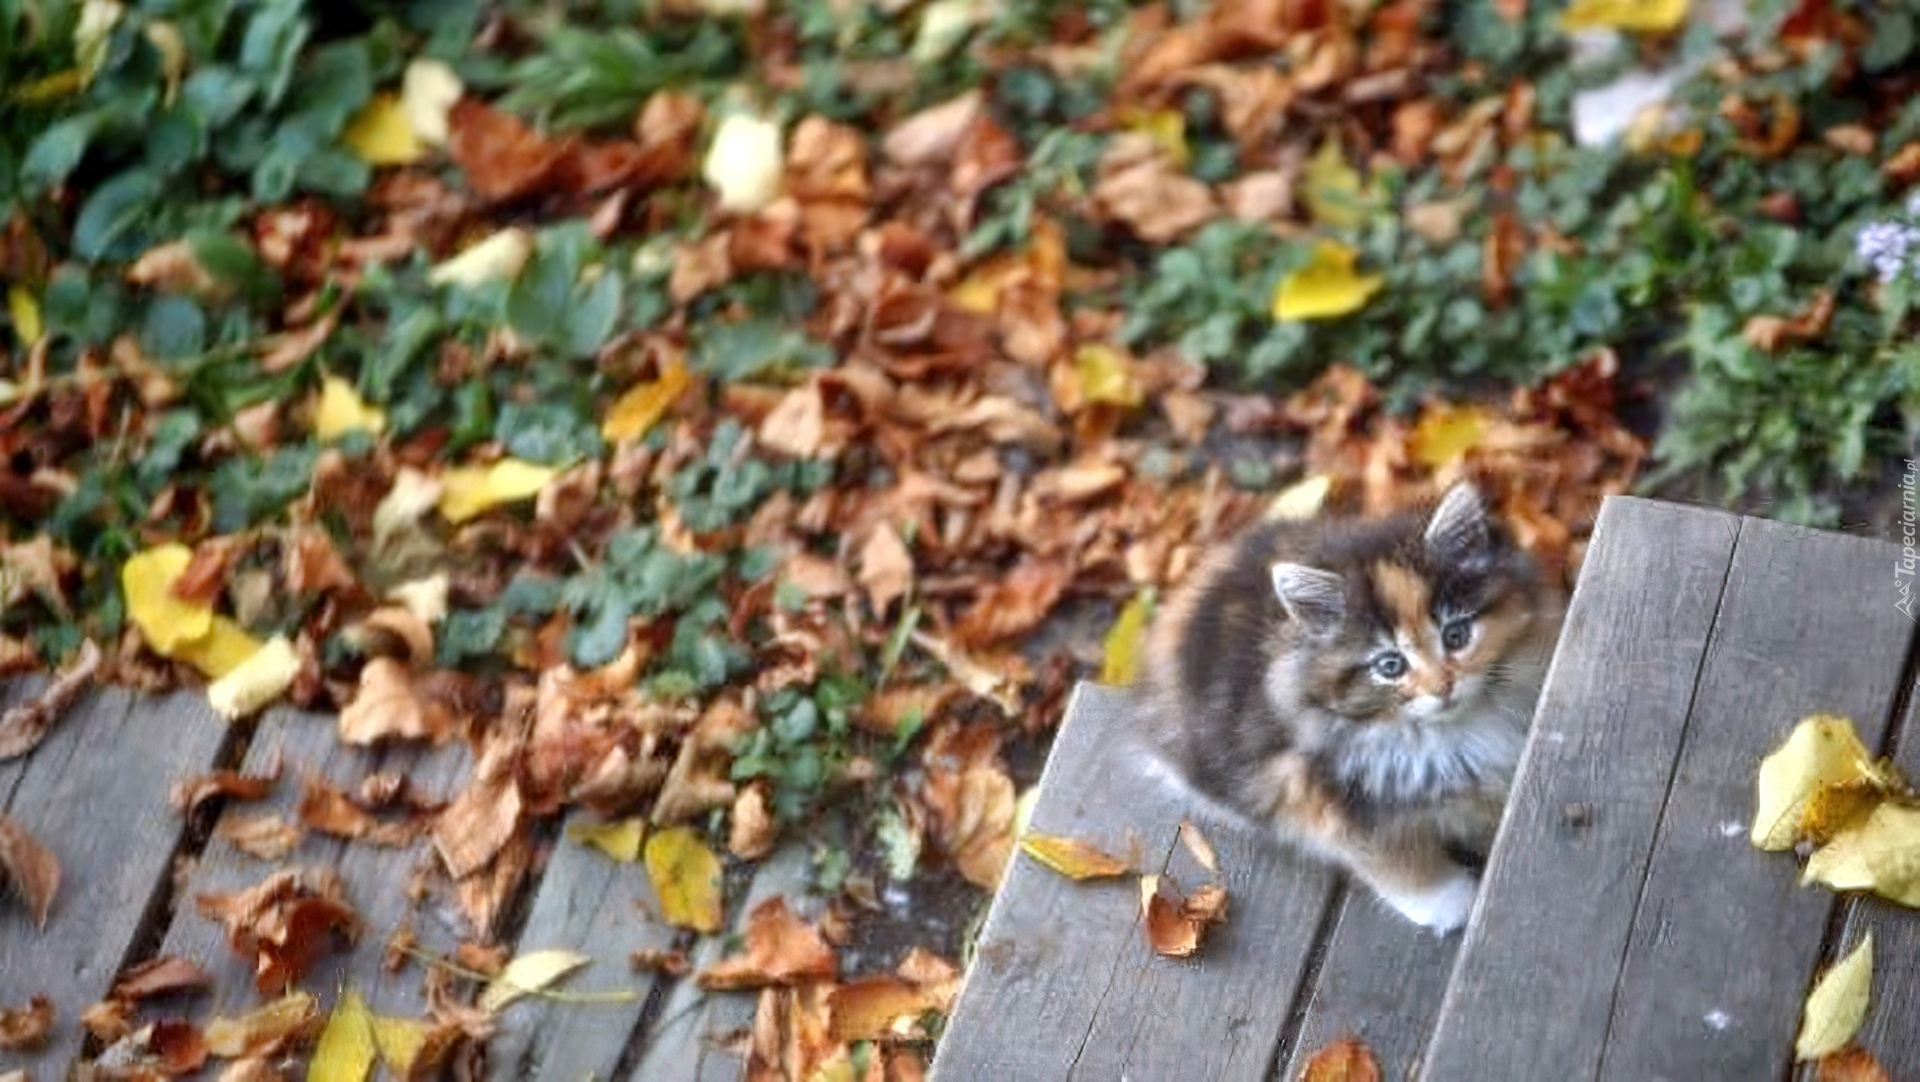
1724	940
95	794
1532	988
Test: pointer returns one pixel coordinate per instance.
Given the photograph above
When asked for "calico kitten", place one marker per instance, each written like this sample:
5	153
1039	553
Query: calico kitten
1363	687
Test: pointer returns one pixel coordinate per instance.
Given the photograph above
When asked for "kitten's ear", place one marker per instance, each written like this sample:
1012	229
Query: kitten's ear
1458	529
1315	599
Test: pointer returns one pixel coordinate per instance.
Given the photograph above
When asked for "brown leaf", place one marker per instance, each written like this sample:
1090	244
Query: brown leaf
1139	186
780	949
1015	603
283	924
189	794
23	1028
751	828
23	726
1176	926
797	426
158	976
388	706
503	158
931	136
108	1020
1345	1060
874	1008
267	837
886	567
180	1046
672	963
28	869
971	800
1852	1065
331	811
486	814
314	565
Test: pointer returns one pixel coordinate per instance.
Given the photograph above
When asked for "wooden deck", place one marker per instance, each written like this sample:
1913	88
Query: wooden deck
1626	929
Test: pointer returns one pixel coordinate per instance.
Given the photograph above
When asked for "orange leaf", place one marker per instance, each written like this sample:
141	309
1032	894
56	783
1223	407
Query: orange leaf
1072	857
1345	1060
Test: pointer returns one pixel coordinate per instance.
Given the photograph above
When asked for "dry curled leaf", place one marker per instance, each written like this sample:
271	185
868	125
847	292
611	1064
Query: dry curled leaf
158	976
262	1029
1177	926
1851	1065
283	924
24	725
24	1028
1344	1060
28	869
780	949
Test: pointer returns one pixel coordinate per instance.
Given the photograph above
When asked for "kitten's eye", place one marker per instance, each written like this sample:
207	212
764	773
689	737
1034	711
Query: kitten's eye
1456	635
1390	666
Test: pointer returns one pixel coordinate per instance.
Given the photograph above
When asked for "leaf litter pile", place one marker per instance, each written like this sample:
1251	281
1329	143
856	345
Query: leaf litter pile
710	417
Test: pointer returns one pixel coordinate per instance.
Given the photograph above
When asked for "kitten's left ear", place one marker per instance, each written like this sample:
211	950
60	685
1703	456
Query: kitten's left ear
1458	529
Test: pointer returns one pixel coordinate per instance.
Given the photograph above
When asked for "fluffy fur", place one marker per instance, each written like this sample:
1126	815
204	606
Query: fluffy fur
1364	687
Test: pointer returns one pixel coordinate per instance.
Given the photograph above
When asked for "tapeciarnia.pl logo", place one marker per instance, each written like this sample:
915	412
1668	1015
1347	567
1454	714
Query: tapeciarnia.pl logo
1903	570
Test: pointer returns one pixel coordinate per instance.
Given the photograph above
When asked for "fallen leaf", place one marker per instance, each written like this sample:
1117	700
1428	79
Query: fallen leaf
1015	603
165	621
1326	286
1345	1060
619	839
1822	750
24	725
752	829
428	90
1120	651
635	413
1176	926
399	1041
262	1028
503	158
225	647
25	1028
499	258
1072	857
1642	16
28	869
532	972
472	490
24	308
1446	433
388	707
1332	189
686	879
1106	376
671	963
266	837
972	801
875	1008
341	410
1301	500
1851	1065
178	1045
255	682
1881	854
797	425
886	567
780	949
158	976
380	134
1837	1005
346	1052
743	163
283	924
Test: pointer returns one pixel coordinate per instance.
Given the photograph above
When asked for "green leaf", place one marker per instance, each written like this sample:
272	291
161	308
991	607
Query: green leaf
755	349
173	328
108	225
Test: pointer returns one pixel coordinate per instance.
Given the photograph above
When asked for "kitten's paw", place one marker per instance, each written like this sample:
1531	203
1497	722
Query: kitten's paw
1442	907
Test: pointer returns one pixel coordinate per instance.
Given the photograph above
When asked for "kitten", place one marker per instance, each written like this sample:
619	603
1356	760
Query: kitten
1362	687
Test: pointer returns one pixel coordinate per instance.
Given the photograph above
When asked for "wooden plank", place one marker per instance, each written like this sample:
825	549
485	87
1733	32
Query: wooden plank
1532	987
1724	940
1889	1031
1063	984
1380	979
601	907
698	1038
377	880
95	793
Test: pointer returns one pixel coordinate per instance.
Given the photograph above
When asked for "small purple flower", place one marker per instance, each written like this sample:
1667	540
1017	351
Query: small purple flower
1889	247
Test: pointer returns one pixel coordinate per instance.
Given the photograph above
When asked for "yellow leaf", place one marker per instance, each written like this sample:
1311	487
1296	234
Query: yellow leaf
1445	433
165	621
530	973
686	877
637	411
1326	286
61	84
1120	653
1880	854
342	410
230	1038
225	647
428	92
499	258
345	1052
1822	750
1166	127
399	1041
1106	376
619	840
1837	1004
1072	857
24	308
1645	16
255	682
1302	499
744	163
380	135
1332	190
470	490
